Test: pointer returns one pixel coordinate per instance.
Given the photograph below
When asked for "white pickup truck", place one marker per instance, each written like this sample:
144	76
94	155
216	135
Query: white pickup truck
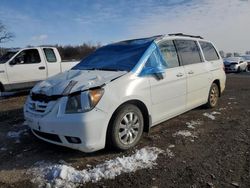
23	68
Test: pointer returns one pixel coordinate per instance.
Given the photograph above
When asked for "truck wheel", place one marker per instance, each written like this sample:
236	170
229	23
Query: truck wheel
238	70
126	129
213	96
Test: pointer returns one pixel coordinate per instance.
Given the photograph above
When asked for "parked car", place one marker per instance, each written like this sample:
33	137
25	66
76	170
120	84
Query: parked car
235	64
123	89
247	59
23	68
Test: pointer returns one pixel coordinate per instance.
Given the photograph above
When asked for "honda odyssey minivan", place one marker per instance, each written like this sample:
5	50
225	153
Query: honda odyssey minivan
123	89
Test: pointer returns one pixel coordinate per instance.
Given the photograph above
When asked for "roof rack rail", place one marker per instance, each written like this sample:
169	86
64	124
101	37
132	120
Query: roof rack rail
185	35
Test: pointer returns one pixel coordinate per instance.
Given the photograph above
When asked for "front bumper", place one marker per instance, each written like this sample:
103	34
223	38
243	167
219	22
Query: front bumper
82	131
229	68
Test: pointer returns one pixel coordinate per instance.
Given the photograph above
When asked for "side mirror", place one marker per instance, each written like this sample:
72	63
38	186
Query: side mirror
241	61
159	72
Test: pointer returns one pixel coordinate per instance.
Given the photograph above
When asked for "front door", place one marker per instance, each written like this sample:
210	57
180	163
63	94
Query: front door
26	68
168	95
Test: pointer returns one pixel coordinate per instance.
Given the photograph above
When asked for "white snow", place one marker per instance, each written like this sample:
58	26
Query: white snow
3	149
169	153
17	134
215	113
61	175
171	146
184	133
220	109
192	124
211	115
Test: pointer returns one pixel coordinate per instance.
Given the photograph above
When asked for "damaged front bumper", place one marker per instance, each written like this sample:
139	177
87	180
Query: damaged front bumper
81	131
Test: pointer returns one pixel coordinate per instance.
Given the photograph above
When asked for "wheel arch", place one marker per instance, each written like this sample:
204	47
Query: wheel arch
141	106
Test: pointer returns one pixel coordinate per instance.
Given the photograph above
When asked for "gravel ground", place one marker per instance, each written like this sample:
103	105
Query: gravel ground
204	152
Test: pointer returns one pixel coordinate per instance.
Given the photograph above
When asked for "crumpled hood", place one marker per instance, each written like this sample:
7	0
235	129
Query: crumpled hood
75	80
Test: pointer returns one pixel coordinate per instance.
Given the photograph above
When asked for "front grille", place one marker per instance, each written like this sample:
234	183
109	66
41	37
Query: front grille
44	98
40	104
48	136
36	106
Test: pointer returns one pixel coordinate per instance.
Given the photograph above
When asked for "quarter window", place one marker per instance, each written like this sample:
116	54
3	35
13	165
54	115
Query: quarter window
188	51
209	51
169	53
50	55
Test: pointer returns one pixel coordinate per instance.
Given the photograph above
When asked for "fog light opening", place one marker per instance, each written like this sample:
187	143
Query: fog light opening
73	140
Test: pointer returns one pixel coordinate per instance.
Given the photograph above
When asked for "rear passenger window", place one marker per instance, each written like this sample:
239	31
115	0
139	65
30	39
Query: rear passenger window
188	51
169	53
209	51
50	55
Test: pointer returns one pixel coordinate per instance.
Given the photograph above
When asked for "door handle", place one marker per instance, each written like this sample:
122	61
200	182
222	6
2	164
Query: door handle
41	68
190	72
2	71
179	75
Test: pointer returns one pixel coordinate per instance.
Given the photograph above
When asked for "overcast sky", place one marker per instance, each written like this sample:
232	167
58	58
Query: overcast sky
36	22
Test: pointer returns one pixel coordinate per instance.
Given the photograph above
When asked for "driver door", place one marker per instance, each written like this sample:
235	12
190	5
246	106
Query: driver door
26	69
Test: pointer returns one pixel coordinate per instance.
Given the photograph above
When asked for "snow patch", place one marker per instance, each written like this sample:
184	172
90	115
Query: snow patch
17	135
169	153
211	115
232	98
61	175
171	146
183	133
3	149
192	124
220	109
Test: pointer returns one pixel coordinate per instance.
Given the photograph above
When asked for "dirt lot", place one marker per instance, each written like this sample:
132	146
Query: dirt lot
217	154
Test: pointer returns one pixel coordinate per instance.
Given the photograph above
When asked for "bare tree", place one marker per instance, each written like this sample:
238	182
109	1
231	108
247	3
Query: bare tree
5	35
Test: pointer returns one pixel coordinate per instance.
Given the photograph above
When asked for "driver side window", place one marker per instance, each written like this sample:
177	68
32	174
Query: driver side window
169	53
29	56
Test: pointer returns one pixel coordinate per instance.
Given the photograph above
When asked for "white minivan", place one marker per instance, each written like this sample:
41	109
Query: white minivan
123	89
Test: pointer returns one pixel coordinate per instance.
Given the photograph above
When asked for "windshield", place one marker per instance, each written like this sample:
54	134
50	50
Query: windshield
6	57
121	56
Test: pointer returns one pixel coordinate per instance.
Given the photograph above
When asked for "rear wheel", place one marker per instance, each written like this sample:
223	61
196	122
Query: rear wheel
126	129
213	96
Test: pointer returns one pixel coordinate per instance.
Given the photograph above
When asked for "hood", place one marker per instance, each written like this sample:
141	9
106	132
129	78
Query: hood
75	80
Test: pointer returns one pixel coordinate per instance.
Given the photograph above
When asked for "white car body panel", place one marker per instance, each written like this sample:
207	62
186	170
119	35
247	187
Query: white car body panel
178	92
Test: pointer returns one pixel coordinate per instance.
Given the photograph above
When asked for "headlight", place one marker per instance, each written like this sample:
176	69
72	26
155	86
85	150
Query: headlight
84	101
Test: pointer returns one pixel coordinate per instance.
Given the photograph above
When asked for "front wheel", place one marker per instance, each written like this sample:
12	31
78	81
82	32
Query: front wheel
248	68
126	128
213	96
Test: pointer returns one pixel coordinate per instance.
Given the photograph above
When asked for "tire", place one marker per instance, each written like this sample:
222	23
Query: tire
238	70
213	96
248	68
126	128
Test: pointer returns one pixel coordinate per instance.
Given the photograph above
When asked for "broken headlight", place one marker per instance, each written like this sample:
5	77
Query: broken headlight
83	102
